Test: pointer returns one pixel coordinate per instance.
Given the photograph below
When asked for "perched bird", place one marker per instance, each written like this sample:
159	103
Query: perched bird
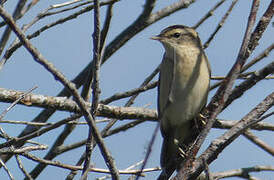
182	92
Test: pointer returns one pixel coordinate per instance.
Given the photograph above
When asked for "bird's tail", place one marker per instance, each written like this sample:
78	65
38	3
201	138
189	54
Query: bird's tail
175	146
170	158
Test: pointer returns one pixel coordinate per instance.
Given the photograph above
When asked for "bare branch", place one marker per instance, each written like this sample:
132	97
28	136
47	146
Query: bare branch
264	54
22	168
227	124
149	149
250	82
6	34
6	169
65	104
24	149
208	14
243	172
250	64
132	93
249	135
15	102
92	169
218	145
220	24
38	132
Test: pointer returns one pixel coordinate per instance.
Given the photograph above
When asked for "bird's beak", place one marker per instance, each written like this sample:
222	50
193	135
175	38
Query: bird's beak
158	38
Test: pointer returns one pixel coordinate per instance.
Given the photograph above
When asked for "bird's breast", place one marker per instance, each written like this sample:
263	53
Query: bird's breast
189	88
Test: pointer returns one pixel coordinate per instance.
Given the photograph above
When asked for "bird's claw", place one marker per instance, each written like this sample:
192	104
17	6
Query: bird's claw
181	151
202	118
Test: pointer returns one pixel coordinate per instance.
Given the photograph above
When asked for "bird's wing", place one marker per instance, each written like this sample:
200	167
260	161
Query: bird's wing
164	89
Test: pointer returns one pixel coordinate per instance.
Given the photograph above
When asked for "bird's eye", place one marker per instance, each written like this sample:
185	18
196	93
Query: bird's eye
176	35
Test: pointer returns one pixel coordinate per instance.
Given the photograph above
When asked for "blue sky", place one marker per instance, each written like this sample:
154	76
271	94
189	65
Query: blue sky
69	48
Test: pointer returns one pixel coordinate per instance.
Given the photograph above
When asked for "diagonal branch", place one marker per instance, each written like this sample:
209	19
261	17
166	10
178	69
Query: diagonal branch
208	14
220	24
250	136
219	144
250	82
6	34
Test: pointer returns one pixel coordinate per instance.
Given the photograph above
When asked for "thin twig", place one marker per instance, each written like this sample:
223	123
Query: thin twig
53	152
6	34
6	169
124	127
220	24
249	135
106	27
38	132
68	3
129	93
260	28
97	58
64	104
23	11
242	77
46	12
250	82
227	124
25	123
22	168
74	122
73	173
208	14
28	7
128	168
262	55
103	36
149	150
242	172
146	81
5	135
265	53
15	102
24	149
92	169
